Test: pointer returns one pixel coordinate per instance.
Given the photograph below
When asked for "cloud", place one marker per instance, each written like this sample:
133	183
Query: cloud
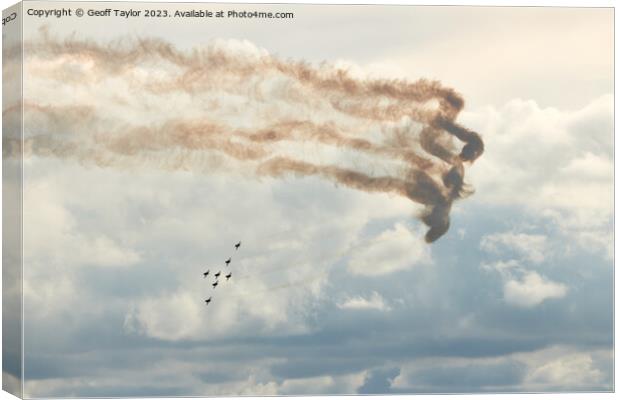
590	166
556	165
554	368
375	302
532	290
452	375
553	168
346	383
503	267
533	248
378	381
169	318
567	369
573	370
522	287
392	250
66	244
277	274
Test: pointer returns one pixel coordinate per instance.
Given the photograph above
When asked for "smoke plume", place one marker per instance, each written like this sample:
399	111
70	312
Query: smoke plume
146	103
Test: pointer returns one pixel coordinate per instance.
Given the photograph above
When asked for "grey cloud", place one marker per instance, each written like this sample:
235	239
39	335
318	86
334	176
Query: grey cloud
342	342
497	377
378	381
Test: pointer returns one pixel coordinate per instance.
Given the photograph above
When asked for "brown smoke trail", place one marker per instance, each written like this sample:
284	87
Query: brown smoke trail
415	121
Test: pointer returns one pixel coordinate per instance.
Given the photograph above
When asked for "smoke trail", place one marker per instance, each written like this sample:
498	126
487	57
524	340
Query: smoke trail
249	106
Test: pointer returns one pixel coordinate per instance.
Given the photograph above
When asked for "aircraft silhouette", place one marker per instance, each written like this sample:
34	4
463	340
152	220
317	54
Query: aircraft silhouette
237	246
228	261
204	274
218	274
208	300
228	276
215	284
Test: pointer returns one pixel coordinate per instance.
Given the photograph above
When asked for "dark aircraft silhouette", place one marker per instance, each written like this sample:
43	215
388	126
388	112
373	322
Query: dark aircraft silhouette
228	261
237	246
204	274
208	300
215	284
228	276
218	274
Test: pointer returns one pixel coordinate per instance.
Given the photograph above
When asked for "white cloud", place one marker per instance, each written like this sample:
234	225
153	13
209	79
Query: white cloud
52	235
570	370
176	223
597	243
57	246
567	368
503	267
236	308
257	389
555	165
237	47
532	290
305	386
169	318
590	166
375	302
523	287
346	383
533	248
393	250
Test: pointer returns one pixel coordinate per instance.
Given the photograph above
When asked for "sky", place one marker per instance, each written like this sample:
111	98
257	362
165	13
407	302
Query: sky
334	289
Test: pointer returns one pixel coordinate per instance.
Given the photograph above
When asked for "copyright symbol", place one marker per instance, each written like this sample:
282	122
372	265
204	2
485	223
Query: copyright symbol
79	12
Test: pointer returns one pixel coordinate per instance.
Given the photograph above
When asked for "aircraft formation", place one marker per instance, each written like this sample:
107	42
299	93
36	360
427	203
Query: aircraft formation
219	273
